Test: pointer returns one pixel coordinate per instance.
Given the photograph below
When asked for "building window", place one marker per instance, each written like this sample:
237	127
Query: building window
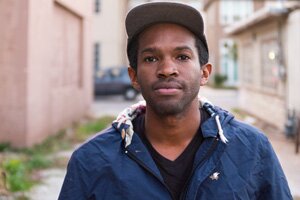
228	60
97	6
232	11
270	65
96	58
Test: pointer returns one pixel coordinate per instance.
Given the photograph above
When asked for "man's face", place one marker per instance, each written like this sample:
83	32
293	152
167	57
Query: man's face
169	71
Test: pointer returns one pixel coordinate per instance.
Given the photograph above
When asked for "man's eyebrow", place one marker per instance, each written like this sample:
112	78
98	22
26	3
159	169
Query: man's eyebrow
153	49
148	50
183	48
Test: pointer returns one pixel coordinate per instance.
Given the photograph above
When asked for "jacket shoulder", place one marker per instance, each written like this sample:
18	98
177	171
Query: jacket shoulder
88	163
243	131
102	146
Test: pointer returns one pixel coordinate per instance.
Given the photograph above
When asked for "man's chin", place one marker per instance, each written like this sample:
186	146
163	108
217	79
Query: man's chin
168	108
170	105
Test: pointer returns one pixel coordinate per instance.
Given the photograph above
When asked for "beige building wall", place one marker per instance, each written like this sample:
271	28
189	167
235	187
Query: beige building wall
45	68
219	15
293	63
214	33
109	32
266	104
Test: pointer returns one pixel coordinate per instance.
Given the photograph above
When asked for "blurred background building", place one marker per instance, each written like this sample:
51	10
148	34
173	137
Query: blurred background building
268	43
223	49
51	50
109	36
45	73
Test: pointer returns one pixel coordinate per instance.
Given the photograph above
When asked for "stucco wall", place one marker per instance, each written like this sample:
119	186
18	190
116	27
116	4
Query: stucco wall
56	85
13	69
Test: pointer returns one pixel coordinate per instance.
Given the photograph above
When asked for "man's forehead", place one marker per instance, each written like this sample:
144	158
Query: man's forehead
157	49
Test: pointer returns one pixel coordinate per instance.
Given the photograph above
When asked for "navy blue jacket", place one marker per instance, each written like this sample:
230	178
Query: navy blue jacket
244	168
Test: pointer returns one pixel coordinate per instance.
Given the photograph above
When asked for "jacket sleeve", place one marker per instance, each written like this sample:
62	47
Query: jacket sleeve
274	183
74	186
82	171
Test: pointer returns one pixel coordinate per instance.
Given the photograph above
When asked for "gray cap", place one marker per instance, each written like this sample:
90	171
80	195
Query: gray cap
145	15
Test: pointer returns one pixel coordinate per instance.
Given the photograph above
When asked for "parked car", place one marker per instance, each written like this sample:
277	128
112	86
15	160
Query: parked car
114	81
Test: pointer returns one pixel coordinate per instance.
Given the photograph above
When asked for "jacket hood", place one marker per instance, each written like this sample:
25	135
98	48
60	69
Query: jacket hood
123	123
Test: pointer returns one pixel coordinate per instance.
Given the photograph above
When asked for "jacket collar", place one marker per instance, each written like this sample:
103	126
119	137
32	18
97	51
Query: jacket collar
212	127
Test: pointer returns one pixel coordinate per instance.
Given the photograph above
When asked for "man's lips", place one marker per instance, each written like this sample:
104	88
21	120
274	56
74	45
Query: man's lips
167	88
167	85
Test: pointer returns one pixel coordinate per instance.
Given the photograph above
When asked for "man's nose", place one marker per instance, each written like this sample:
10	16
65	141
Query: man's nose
167	68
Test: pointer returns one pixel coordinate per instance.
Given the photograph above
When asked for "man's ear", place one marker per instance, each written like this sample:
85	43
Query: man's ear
133	77
205	73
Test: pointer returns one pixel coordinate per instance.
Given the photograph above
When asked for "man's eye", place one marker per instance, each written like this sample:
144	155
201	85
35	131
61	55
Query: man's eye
183	57
150	59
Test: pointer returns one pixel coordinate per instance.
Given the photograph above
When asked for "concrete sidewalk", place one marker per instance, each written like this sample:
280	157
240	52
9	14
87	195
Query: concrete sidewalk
52	179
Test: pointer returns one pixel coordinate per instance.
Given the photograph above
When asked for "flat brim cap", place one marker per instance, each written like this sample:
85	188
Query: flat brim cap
141	17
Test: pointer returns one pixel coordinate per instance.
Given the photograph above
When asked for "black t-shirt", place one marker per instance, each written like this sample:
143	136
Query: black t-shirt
175	173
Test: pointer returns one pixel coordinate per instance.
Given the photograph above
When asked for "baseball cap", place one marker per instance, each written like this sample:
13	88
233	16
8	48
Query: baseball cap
143	16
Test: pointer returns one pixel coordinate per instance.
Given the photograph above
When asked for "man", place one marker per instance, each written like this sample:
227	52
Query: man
174	145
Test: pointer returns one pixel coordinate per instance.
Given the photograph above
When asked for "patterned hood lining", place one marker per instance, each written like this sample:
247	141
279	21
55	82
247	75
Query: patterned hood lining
127	115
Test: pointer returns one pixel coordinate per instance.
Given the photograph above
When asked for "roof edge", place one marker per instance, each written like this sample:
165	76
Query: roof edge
260	16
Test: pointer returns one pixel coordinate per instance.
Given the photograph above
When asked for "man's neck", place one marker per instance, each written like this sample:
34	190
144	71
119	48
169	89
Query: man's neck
170	135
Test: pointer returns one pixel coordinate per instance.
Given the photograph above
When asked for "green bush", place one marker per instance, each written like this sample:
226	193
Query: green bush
50	145
220	79
38	161
17	175
4	147
19	169
83	131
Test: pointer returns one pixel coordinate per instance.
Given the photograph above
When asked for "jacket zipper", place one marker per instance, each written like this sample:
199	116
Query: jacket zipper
149	170
209	152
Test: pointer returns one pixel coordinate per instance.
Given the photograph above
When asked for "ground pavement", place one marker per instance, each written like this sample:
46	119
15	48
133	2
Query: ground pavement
53	178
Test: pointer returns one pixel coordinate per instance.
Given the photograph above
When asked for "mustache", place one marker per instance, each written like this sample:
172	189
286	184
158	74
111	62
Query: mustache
168	83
